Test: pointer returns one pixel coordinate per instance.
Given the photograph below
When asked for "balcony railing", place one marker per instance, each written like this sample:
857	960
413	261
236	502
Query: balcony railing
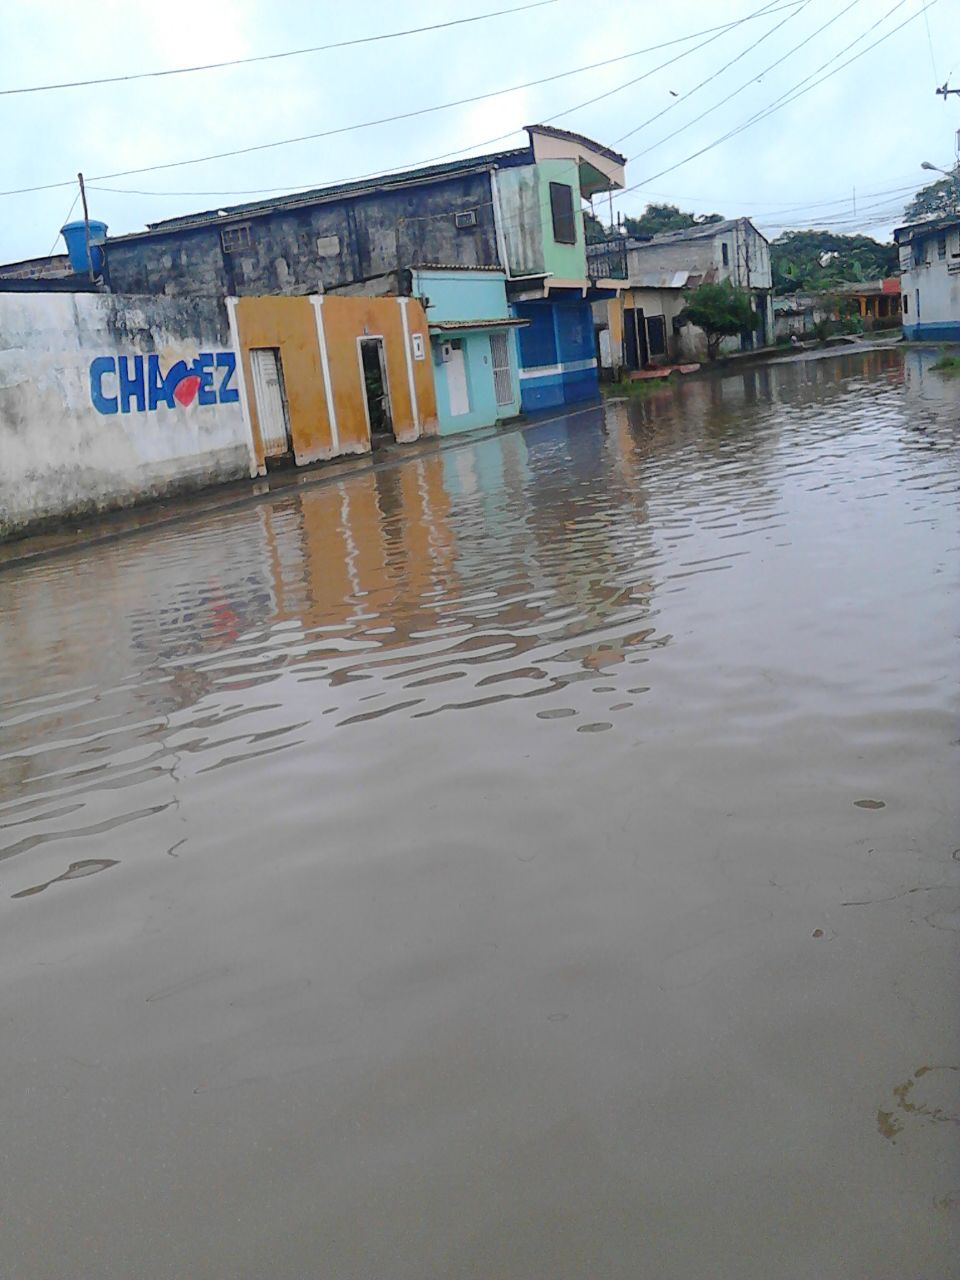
607	260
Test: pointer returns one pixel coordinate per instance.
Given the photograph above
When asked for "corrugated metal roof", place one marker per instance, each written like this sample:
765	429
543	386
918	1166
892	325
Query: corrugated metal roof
457	326
661	279
914	230
355	187
704	231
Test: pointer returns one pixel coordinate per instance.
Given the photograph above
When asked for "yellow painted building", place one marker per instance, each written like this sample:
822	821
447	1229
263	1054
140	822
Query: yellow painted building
322	375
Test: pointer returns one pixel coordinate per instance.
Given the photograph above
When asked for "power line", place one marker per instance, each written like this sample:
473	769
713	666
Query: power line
790	96
726	66
747	83
368	124
764	11
273	57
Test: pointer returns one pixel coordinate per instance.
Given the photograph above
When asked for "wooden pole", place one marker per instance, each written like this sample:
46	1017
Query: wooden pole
86	226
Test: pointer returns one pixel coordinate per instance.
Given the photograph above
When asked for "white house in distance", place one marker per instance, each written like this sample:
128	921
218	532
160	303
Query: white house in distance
930	278
660	271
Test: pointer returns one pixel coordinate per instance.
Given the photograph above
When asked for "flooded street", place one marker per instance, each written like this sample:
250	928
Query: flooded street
534	859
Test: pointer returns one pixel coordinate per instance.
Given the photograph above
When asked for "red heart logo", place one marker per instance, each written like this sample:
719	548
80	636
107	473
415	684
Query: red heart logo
186	389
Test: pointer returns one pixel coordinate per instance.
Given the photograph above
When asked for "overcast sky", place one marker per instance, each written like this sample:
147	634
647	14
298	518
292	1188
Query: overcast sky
867	127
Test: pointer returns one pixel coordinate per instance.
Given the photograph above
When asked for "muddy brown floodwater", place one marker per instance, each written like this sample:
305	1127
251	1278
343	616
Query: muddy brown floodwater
536	859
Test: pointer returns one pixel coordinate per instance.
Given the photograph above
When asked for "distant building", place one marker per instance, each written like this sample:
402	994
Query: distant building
644	324
875	302
930	278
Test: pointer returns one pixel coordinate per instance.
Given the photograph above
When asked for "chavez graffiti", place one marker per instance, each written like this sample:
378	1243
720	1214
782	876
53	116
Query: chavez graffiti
126	384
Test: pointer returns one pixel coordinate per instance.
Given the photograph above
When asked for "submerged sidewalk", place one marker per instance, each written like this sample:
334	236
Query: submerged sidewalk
177	508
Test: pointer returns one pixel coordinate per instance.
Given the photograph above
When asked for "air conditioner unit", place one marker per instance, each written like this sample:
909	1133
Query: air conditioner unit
466	219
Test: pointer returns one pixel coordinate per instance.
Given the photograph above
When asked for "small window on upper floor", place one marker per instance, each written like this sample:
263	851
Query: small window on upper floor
906	304
942	246
233	238
561	210
919	253
725	253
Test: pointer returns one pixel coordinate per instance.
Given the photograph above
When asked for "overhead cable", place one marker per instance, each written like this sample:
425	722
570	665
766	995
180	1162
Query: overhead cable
785	99
404	115
273	57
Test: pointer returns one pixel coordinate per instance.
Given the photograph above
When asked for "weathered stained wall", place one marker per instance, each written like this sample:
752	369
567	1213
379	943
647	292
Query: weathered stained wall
748	256
290	326
358	245
318	340
106	400
413	404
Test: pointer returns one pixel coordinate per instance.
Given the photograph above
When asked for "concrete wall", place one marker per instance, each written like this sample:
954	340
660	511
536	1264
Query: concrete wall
318	341
748	256
105	401
527	221
931	286
460	296
360	244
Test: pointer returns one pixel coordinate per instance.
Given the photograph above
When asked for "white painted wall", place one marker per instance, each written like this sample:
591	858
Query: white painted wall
936	279
62	456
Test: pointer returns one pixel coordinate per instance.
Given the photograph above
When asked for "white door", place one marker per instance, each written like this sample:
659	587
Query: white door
457	381
502	377
271	400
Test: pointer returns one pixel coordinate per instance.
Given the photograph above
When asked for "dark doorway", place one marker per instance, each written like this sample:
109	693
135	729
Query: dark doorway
657	335
635	354
376	387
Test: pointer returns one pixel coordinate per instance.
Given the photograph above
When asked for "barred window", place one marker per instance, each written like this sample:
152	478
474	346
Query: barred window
234	238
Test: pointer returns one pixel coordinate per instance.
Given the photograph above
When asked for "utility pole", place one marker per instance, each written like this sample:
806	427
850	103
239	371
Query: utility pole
944	90
86	226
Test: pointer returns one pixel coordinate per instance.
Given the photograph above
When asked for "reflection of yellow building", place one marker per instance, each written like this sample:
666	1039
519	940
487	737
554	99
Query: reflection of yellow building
362	544
321	374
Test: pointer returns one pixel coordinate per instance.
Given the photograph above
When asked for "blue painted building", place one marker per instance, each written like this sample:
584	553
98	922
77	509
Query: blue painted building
471	345
540	206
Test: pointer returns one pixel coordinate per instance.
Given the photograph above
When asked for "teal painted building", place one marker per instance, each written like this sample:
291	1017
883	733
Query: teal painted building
471	345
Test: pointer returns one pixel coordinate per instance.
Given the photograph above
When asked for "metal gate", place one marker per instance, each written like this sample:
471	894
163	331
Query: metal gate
268	391
502	375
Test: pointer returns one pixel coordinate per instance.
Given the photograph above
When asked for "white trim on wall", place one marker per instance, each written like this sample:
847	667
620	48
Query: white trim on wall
317	303
255	468
410	382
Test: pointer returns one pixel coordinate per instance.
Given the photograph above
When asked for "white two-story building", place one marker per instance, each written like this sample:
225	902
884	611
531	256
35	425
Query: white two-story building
930	278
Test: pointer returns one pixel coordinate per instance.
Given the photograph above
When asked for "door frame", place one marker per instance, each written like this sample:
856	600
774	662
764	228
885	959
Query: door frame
375	337
284	403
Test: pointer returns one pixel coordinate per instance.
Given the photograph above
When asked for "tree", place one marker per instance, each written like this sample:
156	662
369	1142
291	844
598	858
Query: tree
821	259
720	310
937	200
667	217
593	229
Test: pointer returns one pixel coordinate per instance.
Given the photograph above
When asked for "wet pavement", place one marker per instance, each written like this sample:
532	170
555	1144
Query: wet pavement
536	859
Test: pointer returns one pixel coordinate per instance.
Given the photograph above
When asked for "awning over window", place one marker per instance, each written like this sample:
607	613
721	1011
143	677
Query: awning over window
470	326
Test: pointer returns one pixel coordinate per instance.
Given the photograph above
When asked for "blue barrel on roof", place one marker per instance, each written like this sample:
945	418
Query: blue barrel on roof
76	241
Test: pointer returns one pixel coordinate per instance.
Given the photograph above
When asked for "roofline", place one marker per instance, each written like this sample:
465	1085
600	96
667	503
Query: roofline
323	195
932	224
567	135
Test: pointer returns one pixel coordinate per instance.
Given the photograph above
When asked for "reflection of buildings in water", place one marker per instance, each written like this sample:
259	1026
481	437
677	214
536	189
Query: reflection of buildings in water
376	546
115	639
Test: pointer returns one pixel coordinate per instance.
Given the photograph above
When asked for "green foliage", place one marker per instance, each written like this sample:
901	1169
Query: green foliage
947	364
593	229
820	259
667	217
720	310
937	200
